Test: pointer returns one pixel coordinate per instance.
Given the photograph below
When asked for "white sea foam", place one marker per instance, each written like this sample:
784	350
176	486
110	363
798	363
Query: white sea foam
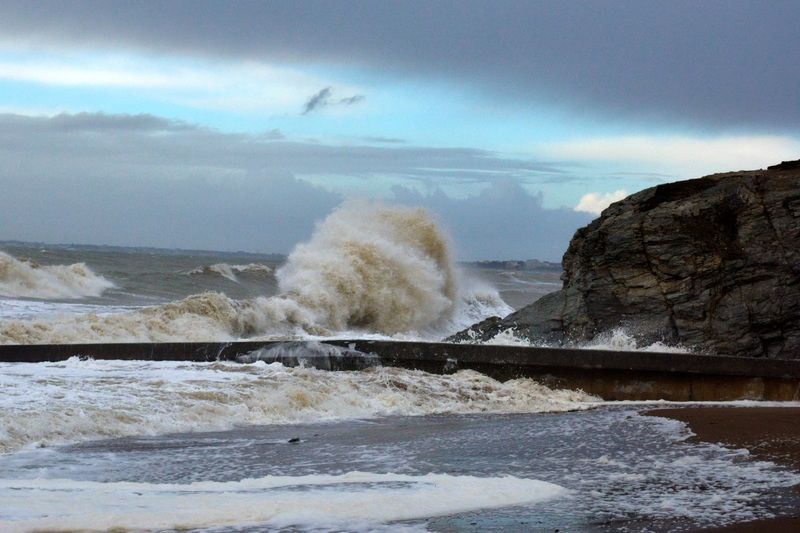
229	271
367	268
617	339
355	500
27	279
76	400
508	337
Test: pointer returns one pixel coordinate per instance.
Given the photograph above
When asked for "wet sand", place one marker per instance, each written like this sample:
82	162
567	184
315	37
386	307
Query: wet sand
768	433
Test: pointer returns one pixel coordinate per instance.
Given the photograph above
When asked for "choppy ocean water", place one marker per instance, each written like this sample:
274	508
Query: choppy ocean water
163	446
608	469
367	271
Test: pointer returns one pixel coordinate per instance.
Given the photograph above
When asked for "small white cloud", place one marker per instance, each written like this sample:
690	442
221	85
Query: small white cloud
594	202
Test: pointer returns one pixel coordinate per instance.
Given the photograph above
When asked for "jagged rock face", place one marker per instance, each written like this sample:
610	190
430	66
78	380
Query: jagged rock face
711	263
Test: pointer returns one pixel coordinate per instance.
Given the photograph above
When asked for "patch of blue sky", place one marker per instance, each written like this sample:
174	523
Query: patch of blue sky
251	97
37	99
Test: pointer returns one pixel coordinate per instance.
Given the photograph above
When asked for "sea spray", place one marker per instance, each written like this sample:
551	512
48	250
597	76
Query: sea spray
617	339
373	267
27	279
367	269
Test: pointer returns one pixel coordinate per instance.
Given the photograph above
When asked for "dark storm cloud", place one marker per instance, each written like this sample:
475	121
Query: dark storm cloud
144	180
716	63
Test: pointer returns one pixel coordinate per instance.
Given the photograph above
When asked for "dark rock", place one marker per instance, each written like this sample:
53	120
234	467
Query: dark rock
482	331
711	263
786	165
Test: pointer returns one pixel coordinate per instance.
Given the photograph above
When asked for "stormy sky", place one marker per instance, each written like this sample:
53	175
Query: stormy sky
238	125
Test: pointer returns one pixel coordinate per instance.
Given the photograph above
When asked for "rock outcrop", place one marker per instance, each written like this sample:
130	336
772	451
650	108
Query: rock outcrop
710	263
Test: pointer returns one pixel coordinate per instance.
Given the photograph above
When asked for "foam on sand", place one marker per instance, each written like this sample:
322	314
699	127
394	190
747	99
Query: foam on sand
352	500
27	279
77	400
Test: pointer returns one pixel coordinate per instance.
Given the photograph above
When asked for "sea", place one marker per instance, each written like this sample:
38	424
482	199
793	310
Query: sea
89	445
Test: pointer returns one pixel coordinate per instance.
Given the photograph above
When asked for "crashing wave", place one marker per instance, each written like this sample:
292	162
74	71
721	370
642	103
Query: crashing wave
27	279
99	399
367	268
229	271
618	340
384	269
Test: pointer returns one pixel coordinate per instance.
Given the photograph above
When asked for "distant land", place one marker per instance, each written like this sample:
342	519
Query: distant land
518	264
509	264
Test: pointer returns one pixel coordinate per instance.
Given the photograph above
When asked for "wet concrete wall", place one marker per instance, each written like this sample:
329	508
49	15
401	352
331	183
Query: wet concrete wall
609	374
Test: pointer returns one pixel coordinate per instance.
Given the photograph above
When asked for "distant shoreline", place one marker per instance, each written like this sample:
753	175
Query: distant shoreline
505	264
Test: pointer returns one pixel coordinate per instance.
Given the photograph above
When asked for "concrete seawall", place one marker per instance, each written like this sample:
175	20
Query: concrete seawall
611	375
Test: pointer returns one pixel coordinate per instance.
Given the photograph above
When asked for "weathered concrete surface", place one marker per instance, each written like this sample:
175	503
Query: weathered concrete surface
712	263
608	374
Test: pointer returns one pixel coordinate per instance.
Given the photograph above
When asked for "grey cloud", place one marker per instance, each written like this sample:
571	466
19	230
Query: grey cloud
273	135
323	99
255	212
504	221
77	122
161	145
94	121
356	98
718	63
108	182
384	140
317	100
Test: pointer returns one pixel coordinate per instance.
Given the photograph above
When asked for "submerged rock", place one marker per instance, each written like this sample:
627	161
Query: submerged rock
711	263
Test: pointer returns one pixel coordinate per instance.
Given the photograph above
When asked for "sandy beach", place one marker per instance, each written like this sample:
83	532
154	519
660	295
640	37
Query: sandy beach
768	433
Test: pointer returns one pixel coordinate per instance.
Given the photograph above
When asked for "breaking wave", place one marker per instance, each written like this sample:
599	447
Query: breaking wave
384	269
620	339
27	279
229	271
617	339
101	399
367	268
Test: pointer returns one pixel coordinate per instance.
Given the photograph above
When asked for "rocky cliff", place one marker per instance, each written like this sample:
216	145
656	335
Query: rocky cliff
710	263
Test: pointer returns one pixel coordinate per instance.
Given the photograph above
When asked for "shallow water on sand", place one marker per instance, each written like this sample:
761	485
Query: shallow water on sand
605	469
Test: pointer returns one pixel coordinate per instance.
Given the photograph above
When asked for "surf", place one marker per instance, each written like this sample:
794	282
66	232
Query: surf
368	268
104	399
20	278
